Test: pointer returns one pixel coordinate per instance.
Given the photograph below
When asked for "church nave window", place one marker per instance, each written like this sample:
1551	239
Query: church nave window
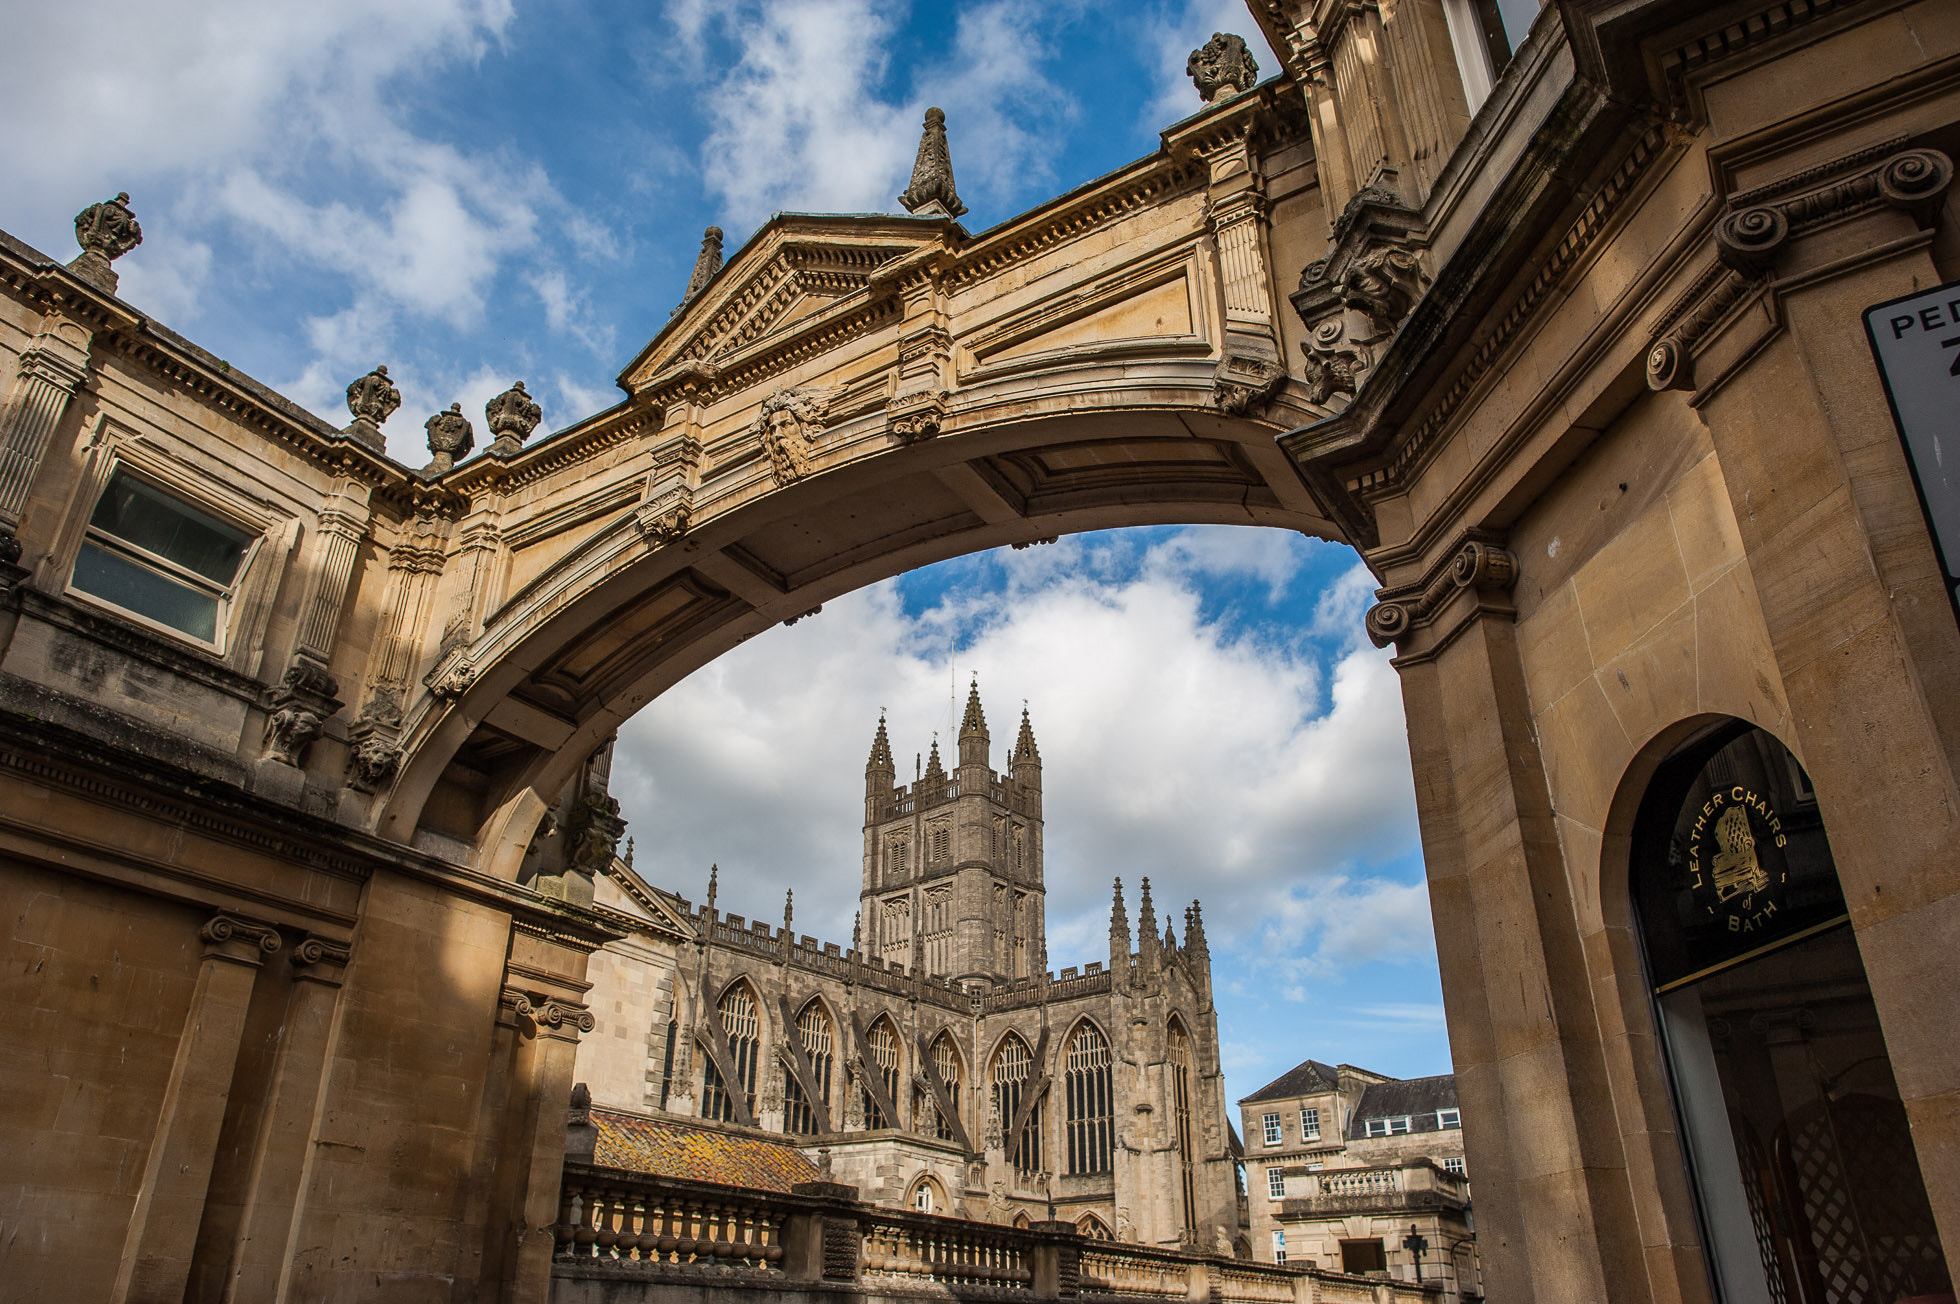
1013	1066
882	1045
738	1022
1090	1116
813	1033
1180	1073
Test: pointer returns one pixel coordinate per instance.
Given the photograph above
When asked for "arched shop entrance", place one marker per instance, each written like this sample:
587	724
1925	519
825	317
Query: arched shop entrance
1806	1181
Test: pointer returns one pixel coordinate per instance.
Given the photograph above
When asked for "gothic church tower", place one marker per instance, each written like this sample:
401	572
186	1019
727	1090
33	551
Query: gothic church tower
952	862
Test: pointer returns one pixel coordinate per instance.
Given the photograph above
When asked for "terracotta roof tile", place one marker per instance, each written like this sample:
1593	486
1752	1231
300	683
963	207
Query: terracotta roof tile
668	1148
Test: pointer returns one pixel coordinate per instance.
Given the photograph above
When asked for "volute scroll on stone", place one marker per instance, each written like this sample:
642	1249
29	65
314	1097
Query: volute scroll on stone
1754	232
239	939
1475	565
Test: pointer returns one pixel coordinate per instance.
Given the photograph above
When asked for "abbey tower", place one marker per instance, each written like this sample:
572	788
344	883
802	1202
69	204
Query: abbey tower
952	862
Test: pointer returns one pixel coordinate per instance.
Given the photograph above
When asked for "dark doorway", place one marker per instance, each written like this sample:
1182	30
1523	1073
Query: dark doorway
1803	1164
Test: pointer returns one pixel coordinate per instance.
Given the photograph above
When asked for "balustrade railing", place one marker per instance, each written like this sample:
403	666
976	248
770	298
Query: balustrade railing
951	1251
1366	1181
619	1225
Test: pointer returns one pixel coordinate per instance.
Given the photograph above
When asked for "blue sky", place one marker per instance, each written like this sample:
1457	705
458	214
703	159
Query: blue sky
479	191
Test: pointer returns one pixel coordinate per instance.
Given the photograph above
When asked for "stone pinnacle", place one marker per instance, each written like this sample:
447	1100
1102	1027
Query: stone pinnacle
931	193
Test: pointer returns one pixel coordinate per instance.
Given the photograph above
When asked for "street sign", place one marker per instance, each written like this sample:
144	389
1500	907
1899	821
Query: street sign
1916	340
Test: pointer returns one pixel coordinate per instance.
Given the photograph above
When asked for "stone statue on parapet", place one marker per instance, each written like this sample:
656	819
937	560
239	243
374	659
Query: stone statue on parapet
1222	67
931	193
450	438
511	416
105	231
372	400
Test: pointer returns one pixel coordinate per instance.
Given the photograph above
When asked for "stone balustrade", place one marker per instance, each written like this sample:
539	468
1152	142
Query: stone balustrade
626	1237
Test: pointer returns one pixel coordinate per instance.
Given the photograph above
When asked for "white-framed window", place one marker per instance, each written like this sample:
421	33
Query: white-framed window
1276	1183
1454	1164
1271	1124
1279	1245
1449	1118
1310	1125
161	559
1389	1126
922	1198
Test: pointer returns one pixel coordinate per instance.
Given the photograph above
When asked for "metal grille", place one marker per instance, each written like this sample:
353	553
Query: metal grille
813	1032
1089	1111
1871	1228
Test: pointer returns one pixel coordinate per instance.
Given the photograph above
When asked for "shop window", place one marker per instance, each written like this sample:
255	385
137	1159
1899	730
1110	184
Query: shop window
160	559
1800	1155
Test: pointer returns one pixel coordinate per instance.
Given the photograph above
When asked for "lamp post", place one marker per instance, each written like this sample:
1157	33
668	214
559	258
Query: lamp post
1415	1244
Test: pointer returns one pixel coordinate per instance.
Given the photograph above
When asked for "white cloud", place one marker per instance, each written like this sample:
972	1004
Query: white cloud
1223	766
805	121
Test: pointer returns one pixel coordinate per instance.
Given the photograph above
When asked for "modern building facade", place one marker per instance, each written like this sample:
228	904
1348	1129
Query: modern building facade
1360	1172
935	1063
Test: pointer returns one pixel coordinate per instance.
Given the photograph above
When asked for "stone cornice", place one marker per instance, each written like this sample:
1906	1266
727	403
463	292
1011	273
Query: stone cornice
190	370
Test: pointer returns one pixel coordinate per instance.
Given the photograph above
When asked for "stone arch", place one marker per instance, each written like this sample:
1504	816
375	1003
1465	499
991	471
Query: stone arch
1093	1228
620	618
733	1069
935	1190
1086	1068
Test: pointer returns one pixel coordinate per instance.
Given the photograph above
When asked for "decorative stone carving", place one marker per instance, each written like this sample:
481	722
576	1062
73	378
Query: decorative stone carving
222	930
853	1097
913	418
451	679
105	231
298	710
1355	299
1477	565
790	421
666	519
593	831
450	438
372	400
1751	236
931	193
706	264
321	953
510	417
1244	384
1222	67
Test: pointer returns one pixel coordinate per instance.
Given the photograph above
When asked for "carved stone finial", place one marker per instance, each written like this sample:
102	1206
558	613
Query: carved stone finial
1222	67
372	399
450	438
931	193
706	264
105	231
511	416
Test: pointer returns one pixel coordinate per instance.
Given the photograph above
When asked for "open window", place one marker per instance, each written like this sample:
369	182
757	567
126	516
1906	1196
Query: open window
1806	1180
154	555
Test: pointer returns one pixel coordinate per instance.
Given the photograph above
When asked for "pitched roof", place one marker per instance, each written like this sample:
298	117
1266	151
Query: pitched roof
1303	1079
697	1154
1418	1098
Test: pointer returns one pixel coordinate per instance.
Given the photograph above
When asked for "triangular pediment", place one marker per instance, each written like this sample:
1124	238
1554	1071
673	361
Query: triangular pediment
796	268
622	889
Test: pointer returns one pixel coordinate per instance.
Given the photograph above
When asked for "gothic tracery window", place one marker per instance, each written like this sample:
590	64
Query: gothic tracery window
813	1034
1090	1116
882	1046
737	1012
946	1064
1179	1063
1014	1071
